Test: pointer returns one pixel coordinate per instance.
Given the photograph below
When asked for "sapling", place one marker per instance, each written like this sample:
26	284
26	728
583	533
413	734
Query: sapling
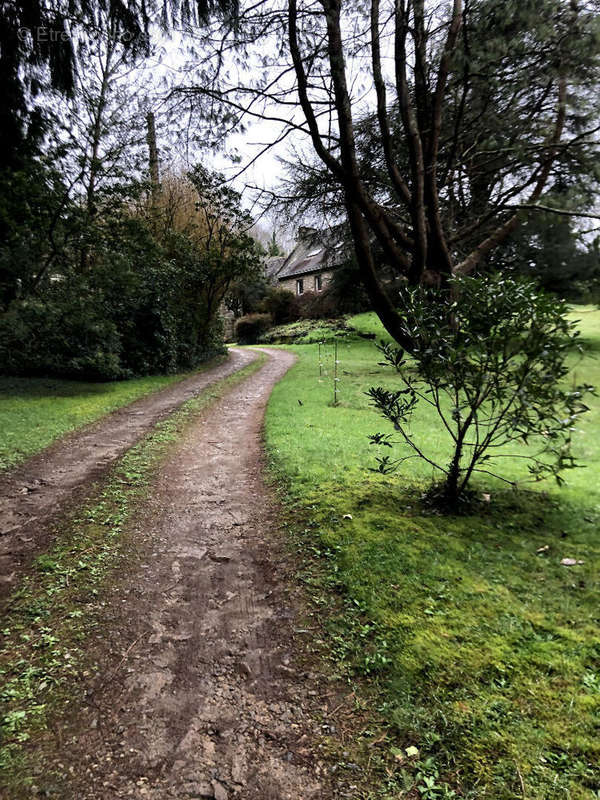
489	356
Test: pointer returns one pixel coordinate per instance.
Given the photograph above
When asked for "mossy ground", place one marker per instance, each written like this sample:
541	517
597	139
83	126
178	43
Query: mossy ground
470	645
43	658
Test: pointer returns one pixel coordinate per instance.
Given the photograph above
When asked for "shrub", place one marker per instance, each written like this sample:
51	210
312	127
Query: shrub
281	305
345	290
285	307
489	355
111	323
248	329
72	341
317	305
306	331
112	294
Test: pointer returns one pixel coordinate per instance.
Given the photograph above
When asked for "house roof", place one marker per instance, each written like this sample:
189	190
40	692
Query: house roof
314	251
273	264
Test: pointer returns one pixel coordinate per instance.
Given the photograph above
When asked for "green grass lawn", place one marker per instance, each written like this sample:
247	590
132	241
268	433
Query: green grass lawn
368	323
34	412
475	648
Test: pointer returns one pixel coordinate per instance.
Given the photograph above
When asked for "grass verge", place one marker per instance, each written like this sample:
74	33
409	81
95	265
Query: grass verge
42	654
473	645
34	412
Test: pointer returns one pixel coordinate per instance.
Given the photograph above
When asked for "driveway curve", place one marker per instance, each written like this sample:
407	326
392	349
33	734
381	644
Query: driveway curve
199	690
45	485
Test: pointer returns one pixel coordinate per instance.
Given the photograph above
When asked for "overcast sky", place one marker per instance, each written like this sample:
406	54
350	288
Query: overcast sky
167	66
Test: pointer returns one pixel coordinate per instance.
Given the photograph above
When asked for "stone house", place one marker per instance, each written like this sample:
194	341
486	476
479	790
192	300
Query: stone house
312	262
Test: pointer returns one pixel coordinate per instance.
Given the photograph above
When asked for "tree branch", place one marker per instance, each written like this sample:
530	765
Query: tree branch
549	209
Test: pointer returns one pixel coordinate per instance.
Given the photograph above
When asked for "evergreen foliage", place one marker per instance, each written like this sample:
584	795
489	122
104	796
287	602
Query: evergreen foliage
146	300
249	329
490	357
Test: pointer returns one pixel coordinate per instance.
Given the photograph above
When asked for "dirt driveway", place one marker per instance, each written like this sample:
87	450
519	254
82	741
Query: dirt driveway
59	476
200	692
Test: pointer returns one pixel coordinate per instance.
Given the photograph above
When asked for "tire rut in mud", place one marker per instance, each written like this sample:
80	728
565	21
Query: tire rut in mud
209	699
34	494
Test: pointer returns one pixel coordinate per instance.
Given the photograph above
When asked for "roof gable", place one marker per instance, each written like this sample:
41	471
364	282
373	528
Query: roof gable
315	251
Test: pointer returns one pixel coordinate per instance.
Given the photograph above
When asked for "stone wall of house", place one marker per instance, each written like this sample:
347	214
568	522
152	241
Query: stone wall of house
228	323
309	282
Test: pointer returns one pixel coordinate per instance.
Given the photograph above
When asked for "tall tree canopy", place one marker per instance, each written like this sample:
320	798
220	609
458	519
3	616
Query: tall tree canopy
103	272
42	43
440	125
484	105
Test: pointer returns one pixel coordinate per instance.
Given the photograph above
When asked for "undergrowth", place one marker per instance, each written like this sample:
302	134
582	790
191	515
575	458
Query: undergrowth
306	331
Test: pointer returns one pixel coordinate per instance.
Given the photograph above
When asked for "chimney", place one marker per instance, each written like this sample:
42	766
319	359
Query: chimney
304	233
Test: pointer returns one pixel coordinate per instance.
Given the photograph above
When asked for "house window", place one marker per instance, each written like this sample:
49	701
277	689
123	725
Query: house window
300	286
318	283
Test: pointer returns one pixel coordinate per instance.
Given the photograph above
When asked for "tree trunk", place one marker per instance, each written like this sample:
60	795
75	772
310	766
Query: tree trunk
451	490
97	133
153	167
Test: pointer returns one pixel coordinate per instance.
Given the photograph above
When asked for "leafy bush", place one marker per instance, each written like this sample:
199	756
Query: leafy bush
246	296
281	305
248	329
286	307
140	311
307	331
115	294
345	290
489	355
69	340
317	305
